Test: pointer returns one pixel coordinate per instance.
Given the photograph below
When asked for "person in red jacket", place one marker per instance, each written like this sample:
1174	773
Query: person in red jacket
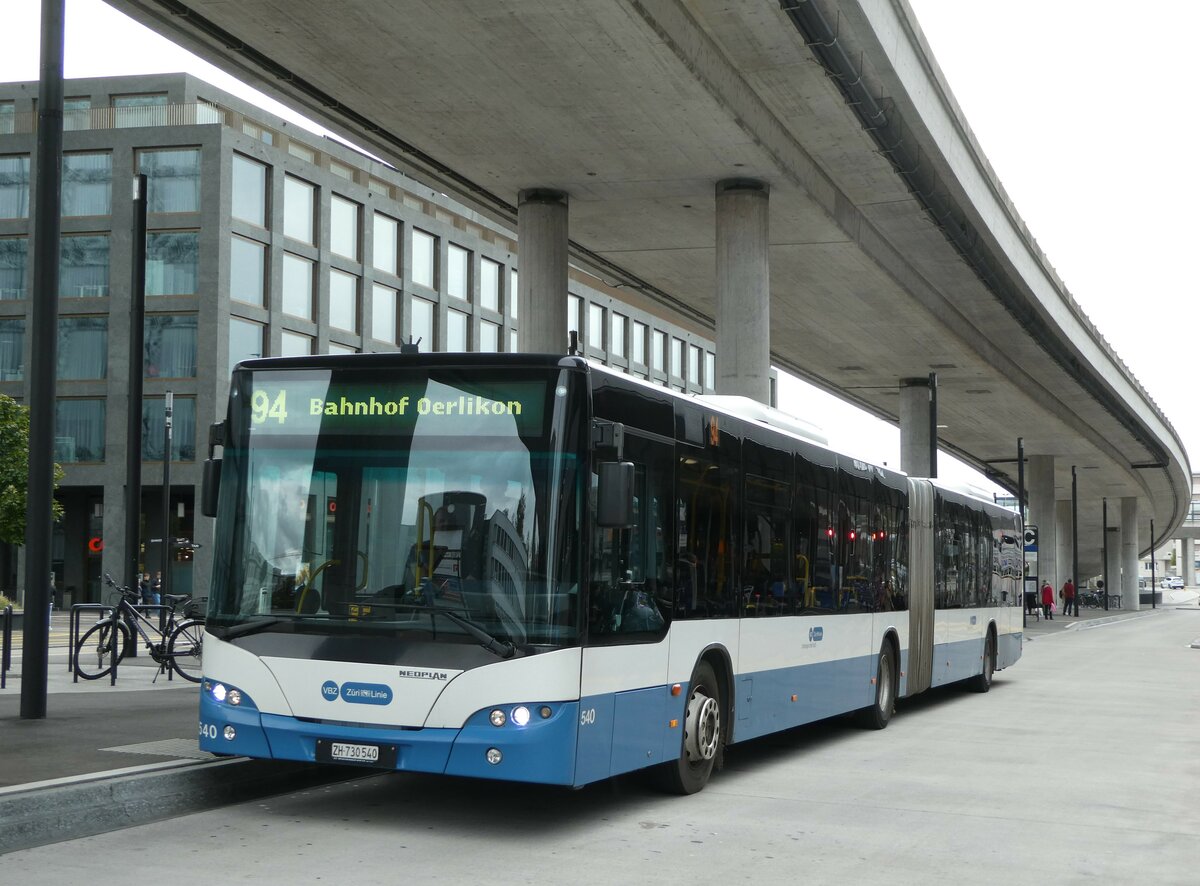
1047	600
1068	597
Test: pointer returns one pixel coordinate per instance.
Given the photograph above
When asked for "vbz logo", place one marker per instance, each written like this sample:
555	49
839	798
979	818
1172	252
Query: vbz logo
329	689
815	634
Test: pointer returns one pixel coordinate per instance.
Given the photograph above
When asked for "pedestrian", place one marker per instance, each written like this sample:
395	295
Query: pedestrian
156	589
144	591
1068	597
1047	600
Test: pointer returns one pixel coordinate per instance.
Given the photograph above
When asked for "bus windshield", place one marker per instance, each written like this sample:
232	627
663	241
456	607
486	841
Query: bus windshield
442	501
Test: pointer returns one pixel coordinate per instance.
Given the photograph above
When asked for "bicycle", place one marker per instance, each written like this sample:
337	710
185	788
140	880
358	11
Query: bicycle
178	646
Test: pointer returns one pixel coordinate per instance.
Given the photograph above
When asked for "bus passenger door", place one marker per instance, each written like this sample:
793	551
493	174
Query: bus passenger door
625	662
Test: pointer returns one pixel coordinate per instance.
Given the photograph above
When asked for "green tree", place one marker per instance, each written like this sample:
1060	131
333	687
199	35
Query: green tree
14	471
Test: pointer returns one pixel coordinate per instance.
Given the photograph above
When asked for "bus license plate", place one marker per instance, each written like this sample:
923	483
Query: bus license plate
352	752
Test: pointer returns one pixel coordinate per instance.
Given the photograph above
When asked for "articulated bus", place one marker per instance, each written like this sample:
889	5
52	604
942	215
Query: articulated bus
527	567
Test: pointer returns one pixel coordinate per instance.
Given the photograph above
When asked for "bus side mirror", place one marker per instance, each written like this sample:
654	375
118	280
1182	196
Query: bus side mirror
211	481
614	495
211	487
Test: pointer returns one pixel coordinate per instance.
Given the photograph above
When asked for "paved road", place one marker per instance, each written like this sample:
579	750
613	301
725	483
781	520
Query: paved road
1081	765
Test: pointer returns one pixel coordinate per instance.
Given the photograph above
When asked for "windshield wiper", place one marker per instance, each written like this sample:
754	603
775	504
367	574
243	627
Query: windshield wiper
502	648
247	627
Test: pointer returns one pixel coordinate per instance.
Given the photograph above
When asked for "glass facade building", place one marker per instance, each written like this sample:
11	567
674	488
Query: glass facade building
263	240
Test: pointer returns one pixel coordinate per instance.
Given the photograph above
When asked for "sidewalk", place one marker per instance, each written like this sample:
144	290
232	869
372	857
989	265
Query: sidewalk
91	726
1094	618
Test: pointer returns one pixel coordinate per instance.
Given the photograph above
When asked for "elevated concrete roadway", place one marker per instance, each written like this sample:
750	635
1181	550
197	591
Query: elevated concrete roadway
894	250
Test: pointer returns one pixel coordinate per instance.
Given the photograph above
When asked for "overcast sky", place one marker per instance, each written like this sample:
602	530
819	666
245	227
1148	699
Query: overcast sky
1083	113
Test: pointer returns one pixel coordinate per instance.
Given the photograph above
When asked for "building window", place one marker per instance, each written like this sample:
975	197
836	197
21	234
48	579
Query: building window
293	344
386	240
616	337
514	294
638	343
457	338
245	341
595	330
335	348
87	184
12	340
343	227
140	110
677	358
249	190
83	263
299	209
489	336
14	258
14	186
341	170
658	351
8	118
574	309
297	286
343	300
303	151
710	370
173	179
247	270
82	348
183	428
489	284
424	267
458	282
421	328
694	365
169	348
513	341
78	431
77	114
172	261
383	313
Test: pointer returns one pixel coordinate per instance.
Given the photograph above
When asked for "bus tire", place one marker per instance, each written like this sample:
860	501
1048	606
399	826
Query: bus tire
880	711
703	735
983	682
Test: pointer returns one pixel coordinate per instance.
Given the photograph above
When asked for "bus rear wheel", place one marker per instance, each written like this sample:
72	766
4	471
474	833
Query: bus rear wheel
879	713
702	735
983	682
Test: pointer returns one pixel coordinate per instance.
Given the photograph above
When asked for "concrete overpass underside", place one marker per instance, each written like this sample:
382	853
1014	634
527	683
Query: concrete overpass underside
894	251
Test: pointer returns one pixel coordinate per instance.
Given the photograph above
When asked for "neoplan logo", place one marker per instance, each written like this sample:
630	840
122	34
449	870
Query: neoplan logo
422	675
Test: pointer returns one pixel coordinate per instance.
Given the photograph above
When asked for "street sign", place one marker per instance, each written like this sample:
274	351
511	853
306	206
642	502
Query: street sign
1031	539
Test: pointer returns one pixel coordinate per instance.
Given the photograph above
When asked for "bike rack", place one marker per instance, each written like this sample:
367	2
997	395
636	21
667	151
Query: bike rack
77	611
6	655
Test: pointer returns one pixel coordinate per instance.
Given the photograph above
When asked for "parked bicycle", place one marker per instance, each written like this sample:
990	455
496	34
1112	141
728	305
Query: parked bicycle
175	644
1092	598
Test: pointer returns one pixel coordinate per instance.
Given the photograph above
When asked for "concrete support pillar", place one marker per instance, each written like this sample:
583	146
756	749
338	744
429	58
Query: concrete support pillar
743	289
1129	554
916	403
542	272
1113	561
1043	513
1187	568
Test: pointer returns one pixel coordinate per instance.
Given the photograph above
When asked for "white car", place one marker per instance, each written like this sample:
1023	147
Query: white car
1175	584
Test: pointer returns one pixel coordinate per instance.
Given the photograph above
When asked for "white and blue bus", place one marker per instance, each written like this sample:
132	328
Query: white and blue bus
526	567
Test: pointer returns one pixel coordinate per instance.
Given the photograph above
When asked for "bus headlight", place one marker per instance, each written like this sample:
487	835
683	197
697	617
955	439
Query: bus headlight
219	692
498	718
233	697
520	715
494	756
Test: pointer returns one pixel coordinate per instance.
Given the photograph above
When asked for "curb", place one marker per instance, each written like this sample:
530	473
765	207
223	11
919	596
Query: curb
66	809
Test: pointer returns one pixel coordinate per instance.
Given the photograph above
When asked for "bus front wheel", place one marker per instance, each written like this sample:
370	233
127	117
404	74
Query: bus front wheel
702	735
